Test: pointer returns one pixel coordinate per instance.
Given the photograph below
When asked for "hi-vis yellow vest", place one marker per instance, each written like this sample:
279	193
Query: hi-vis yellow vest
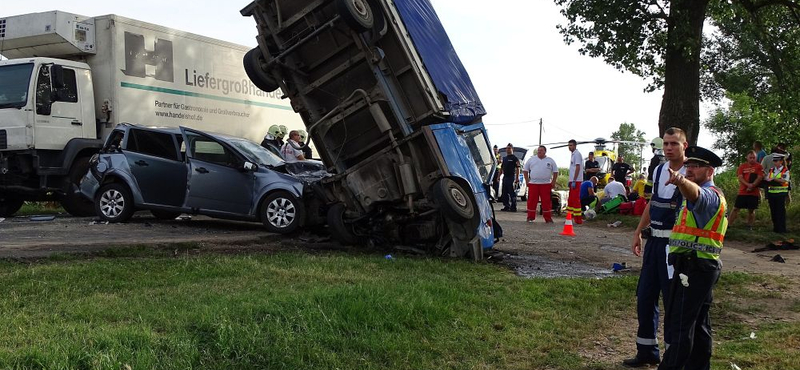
707	241
777	189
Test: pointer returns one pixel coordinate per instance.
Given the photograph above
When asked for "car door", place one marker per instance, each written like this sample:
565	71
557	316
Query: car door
157	166
216	181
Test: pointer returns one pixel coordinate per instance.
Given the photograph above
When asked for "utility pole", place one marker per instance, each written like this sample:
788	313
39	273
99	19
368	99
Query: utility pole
540	132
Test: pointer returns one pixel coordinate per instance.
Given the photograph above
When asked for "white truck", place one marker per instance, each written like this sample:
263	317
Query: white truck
69	79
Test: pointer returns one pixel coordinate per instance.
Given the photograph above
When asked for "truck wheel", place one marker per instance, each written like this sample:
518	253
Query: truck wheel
9	205
357	14
73	202
164	215
340	231
114	203
282	212
252	66
453	201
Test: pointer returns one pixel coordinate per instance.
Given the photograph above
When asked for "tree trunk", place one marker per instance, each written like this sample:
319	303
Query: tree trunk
680	106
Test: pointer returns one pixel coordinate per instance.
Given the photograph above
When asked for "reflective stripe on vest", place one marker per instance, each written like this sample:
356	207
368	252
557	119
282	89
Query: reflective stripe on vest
707	241
777	189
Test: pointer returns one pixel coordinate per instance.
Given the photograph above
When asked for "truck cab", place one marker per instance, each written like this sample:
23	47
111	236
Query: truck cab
47	131
393	114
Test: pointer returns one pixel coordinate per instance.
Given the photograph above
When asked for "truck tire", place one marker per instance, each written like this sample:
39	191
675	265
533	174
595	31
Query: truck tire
252	66
357	14
114	203
340	231
9	205
453	201
282	212
72	201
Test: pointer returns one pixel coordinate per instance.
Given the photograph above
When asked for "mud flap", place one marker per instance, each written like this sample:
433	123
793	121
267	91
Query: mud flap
471	248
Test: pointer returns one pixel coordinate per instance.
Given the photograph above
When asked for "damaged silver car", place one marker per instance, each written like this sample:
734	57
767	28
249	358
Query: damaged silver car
170	171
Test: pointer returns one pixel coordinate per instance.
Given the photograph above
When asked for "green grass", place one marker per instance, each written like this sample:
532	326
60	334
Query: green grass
39	208
148	310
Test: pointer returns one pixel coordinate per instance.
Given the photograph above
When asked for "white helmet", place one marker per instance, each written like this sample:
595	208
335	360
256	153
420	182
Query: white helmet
657	143
589	214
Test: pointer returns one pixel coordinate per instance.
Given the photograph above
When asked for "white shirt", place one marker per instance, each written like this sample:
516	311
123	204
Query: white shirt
665	191
613	189
577	158
289	153
540	170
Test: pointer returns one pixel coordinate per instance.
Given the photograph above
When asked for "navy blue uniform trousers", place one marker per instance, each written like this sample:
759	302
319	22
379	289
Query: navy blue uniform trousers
653	280
687	313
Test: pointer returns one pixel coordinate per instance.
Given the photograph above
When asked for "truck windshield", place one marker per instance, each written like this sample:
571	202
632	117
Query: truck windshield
14	81
481	153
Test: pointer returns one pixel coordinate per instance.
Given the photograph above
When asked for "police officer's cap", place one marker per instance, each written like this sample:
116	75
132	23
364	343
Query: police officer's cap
702	155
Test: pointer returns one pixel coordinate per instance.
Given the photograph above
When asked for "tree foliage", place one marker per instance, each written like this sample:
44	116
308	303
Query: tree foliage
753	50
631	152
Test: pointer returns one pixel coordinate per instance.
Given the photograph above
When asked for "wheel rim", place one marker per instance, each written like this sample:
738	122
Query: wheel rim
458	197
361	8
281	213
112	203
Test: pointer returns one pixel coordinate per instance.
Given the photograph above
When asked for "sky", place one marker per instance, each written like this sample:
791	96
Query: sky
517	60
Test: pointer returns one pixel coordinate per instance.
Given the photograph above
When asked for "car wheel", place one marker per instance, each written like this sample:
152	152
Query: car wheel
340	231
9	205
453	201
114	203
282	212
252	66
357	14
73	202
164	215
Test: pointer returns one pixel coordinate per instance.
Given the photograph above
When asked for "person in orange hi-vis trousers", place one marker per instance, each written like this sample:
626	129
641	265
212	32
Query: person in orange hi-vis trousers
574	182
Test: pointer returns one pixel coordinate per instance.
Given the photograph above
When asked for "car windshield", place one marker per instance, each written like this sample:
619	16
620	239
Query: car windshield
14	81
256	153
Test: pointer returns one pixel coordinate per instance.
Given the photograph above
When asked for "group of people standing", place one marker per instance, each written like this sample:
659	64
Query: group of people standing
768	173
293	149
681	258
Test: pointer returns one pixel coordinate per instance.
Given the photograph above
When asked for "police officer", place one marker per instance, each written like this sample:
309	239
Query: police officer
510	168
777	180
654	276
694	249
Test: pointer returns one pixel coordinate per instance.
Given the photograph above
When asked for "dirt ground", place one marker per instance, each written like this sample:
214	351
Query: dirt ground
530	249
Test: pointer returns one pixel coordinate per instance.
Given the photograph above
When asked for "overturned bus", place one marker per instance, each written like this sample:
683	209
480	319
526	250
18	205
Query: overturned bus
393	114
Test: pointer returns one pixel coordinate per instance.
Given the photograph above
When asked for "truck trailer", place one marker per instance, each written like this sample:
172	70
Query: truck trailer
70	79
393	114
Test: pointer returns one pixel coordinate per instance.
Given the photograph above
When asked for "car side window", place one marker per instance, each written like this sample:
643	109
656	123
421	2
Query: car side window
153	143
208	150
114	141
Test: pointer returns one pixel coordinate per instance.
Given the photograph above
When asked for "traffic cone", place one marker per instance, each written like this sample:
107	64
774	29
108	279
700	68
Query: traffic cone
568	226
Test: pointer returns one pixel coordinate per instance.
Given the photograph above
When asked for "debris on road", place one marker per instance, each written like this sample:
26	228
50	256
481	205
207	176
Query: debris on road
778	258
42	218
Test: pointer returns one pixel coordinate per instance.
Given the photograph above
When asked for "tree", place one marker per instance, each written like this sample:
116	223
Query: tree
631	152
662	40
